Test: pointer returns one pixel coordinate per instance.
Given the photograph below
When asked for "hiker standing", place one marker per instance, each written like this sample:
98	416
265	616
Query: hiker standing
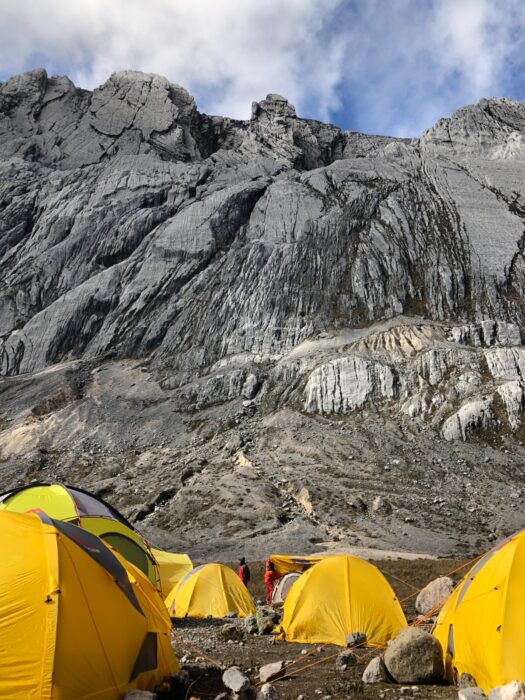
243	572
269	577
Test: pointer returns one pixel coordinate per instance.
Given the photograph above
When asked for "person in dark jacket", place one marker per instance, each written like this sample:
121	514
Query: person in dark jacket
243	572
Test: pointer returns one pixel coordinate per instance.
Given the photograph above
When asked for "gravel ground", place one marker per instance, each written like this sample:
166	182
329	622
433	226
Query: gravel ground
312	671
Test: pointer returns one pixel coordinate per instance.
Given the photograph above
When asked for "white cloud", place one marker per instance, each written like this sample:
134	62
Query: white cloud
383	66
477	38
414	62
227	52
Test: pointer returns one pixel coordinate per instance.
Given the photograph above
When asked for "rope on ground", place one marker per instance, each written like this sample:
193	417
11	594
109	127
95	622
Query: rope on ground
303	668
315	663
190	647
405	583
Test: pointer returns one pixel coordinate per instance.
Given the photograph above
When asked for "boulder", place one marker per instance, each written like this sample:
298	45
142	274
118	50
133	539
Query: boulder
267	692
510	691
471	693
355	639
266	620
434	594
234	679
345	659
414	656
270	671
375	671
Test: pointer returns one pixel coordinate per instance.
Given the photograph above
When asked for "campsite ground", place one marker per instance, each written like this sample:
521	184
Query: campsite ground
200	638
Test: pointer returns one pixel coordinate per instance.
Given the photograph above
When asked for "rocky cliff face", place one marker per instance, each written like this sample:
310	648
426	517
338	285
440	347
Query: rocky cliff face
269	272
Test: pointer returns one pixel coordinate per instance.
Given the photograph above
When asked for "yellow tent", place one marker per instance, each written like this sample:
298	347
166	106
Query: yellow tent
172	568
81	508
338	596
480	627
285	564
211	590
74	624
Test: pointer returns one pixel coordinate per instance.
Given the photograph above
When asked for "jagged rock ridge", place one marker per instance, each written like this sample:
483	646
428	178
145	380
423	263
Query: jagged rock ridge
276	261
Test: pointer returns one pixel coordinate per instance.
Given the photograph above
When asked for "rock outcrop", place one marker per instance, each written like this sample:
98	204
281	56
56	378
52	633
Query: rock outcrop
169	276
134	225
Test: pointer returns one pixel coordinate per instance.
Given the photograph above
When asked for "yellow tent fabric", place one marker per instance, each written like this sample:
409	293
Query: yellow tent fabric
480	627
71	504
285	564
73	623
210	590
172	568
340	595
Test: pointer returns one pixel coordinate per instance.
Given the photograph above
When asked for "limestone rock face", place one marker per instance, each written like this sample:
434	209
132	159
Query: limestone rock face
348	303
133	225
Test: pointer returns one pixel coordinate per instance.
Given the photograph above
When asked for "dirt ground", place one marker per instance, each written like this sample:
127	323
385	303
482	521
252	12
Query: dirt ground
313	674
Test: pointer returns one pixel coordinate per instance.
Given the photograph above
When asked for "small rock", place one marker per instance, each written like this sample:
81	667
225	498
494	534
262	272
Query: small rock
234	443
510	691
355	639
375	671
267	692
270	671
232	633
140	695
434	595
234	679
250	624
344	660
381	506
414	656
471	694
466	681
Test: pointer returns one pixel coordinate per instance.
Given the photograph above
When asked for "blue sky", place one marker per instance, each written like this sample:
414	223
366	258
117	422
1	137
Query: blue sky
380	66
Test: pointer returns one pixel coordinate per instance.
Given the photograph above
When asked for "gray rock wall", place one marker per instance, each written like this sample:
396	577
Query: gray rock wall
131	225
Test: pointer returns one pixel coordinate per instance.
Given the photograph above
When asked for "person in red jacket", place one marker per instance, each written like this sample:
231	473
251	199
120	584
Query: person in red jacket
243	572
270	575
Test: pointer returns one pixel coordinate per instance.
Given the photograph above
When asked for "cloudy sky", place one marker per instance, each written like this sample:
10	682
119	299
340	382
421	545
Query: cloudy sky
379	66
